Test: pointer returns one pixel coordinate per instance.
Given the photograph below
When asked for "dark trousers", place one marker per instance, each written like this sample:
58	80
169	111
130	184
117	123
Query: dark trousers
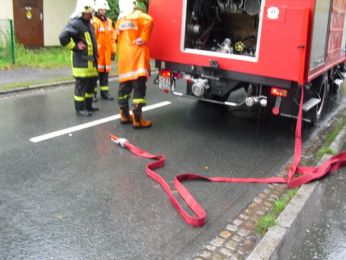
139	89
83	92
103	80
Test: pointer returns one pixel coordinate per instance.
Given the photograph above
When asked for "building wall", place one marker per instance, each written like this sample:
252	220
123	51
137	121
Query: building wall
55	16
6	9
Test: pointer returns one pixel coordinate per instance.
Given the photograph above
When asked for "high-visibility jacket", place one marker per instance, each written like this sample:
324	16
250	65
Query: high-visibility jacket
133	60
84	62
105	42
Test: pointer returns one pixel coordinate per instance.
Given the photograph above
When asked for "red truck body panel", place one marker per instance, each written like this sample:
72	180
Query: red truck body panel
284	43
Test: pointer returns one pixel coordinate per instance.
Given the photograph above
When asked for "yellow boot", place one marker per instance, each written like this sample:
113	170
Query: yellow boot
137	119
125	117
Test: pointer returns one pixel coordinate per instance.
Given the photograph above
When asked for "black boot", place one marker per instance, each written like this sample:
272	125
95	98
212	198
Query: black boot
83	112
80	108
106	95
93	109
89	105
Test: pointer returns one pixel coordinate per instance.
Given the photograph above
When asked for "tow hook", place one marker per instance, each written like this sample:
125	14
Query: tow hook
251	101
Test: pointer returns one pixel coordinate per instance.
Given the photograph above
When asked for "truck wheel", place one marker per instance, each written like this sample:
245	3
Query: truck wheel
319	90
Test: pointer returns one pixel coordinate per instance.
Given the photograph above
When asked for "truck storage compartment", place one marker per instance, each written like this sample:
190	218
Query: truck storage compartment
221	26
264	36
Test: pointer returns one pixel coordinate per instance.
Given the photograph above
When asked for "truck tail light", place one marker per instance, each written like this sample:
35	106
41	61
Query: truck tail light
166	73
166	80
278	92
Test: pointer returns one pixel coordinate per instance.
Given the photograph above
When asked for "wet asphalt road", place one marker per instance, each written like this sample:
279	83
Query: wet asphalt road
79	196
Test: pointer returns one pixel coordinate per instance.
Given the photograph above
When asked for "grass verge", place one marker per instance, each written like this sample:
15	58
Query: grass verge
325	149
268	220
48	57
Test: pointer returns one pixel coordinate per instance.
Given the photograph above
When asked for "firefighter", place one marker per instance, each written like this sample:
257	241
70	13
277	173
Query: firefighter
106	46
133	29
79	36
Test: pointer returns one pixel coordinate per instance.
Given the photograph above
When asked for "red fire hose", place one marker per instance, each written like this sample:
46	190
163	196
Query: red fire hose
297	175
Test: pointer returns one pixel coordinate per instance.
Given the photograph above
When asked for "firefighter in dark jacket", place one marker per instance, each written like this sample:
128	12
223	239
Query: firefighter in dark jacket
79	36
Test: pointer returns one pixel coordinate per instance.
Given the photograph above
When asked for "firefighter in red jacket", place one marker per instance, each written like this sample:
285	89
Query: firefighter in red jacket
106	46
79	36
133	29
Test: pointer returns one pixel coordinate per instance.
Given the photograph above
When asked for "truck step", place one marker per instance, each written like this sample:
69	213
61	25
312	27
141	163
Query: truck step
311	103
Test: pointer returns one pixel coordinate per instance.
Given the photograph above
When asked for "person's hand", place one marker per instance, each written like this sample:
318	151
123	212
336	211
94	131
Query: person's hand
138	41
112	56
81	46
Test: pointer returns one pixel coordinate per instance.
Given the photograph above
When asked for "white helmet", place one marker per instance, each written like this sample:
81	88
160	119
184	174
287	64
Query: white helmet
126	7
101	4
82	6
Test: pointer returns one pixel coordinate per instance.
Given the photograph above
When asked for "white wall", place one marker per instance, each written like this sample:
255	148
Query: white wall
55	17
6	9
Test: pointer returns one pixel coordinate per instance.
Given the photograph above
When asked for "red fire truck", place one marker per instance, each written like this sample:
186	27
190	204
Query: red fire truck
251	54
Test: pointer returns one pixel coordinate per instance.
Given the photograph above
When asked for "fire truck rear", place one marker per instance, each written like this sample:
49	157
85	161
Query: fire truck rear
254	55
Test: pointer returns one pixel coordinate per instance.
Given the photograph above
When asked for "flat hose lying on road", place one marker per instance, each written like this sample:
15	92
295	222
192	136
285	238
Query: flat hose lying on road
296	176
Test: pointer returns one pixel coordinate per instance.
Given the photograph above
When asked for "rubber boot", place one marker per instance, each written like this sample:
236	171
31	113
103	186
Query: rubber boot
83	112
89	105
125	117
137	119
80	108
105	95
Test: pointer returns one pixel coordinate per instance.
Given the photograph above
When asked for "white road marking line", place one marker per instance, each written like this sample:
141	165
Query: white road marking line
90	124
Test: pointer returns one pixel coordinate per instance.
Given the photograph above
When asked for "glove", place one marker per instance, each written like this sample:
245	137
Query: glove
112	56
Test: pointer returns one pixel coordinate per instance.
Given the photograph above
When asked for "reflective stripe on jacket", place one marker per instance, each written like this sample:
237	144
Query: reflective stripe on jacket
105	42
84	62
133	60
